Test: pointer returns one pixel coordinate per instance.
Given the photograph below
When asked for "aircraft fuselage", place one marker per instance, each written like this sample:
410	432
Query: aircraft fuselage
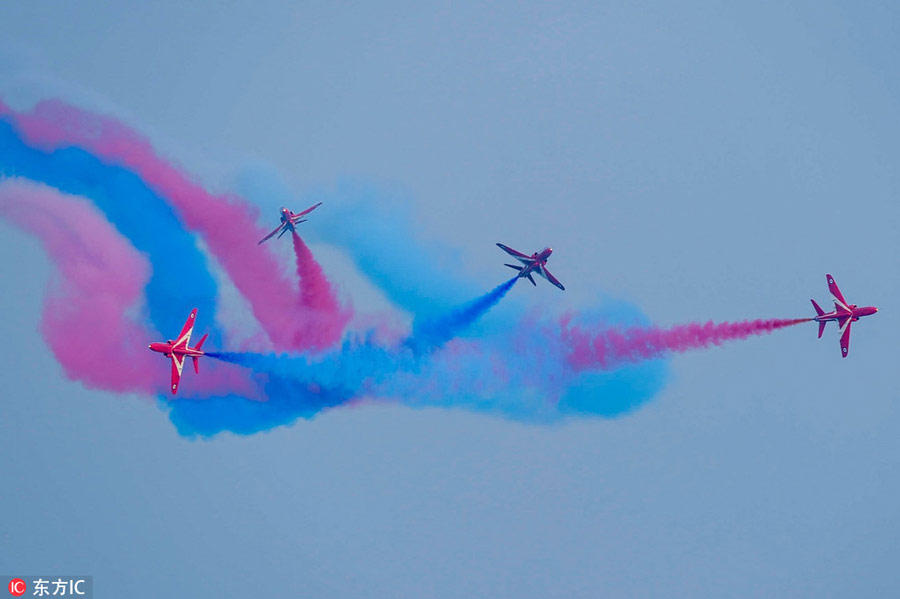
540	259
855	313
287	218
169	348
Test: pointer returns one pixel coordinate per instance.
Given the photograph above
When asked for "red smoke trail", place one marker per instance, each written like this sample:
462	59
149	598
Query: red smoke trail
324	316
227	223
88	314
609	348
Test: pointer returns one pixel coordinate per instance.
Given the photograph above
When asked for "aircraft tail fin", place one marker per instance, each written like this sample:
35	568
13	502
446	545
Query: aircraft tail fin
822	328
200	343
196	364
819	311
513	266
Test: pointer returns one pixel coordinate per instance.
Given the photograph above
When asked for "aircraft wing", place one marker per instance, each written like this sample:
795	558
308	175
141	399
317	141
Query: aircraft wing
516	254
184	337
546	274
269	236
177	365
307	211
845	337
838	296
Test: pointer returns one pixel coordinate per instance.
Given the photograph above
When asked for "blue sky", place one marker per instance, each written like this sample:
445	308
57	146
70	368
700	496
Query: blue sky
700	161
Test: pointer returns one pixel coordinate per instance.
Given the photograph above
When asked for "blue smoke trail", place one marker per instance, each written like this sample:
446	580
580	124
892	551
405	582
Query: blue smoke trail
295	386
435	332
301	386
288	400
520	374
180	275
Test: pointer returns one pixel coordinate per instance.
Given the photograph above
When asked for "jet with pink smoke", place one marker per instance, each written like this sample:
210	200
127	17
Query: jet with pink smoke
844	315
289	220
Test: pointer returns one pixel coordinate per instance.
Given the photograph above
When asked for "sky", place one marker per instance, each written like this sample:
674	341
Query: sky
697	161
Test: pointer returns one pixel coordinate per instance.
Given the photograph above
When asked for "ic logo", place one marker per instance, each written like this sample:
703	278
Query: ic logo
17	587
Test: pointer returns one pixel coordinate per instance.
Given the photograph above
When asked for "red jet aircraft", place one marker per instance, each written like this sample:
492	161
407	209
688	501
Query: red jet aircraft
288	221
844	314
535	263
179	349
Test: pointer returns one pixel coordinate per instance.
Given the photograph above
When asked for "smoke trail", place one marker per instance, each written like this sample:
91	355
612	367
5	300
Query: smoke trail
435	332
613	347
376	230
301	385
561	372
92	315
179	277
321	313
294	386
287	399
227	224
101	279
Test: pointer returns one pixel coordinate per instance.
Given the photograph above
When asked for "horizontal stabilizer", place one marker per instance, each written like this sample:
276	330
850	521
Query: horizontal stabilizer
513	266
202	339
196	364
822	327
819	311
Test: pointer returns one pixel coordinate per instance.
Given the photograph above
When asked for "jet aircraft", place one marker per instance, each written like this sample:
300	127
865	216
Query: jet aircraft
179	349
844	314
288	221
535	263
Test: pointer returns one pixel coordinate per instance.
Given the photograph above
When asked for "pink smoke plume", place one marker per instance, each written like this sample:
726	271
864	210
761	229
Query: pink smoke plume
319	308
609	348
90	315
101	278
226	223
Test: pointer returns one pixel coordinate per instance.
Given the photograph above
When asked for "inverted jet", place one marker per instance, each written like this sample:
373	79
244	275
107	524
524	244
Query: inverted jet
536	263
179	349
844	314
289	220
